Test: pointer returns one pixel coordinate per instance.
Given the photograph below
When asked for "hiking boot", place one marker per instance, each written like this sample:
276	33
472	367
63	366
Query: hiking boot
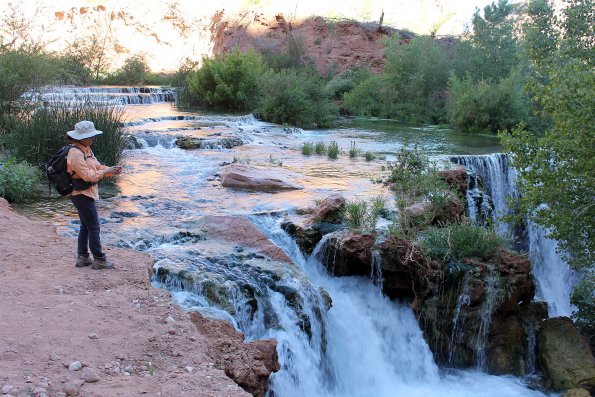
83	261
99	264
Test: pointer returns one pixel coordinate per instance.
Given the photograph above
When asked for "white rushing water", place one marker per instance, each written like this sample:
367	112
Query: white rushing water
374	346
553	275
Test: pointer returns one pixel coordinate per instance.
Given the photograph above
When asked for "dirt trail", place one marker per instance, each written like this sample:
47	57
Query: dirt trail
134	339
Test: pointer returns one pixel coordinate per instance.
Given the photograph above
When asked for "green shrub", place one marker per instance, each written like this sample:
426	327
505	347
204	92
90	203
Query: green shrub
230	81
346	81
319	148
379	207
36	136
369	156
353	151
17	180
297	97
458	241
487	107
367	98
355	213
333	150
134	71
307	149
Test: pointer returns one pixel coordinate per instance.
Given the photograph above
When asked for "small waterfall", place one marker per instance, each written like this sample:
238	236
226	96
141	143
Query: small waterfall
376	273
553	275
456	334
493	295
103	95
530	366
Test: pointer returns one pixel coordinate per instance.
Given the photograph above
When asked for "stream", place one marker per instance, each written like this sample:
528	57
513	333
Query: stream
365	345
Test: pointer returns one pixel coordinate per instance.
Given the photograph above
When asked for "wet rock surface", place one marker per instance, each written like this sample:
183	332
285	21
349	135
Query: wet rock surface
564	355
250	178
208	142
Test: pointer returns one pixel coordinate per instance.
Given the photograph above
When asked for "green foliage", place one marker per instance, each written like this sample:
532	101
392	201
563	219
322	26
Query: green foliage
417	74
487	107
458	241
307	149
583	298
366	99
556	169
353	151
36	136
495	47
297	97
17	180
333	150
319	148
20	71
134	71
369	156
359	214
346	81
354	213
231	81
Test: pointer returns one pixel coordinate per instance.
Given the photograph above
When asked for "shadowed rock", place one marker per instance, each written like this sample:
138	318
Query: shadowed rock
247	364
564	355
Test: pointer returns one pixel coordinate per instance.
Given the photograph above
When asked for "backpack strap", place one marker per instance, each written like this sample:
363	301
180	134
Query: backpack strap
78	183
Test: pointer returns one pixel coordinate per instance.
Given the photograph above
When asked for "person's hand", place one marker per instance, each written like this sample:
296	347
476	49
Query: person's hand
115	170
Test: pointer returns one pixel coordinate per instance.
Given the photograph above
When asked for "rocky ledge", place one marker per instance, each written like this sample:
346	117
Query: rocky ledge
77	331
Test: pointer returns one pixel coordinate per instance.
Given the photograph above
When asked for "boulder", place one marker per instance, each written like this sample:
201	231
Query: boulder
247	364
325	218
406	272
250	178
348	253
564	355
577	393
188	142
329	210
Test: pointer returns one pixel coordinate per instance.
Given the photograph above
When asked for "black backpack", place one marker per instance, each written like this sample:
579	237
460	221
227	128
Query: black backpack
55	169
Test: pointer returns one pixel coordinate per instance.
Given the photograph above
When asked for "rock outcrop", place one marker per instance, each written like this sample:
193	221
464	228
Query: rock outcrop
324	218
248	364
564	355
250	178
208	143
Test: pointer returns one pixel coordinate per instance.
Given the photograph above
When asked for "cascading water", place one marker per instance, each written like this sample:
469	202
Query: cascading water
104	95
374	347
364	345
552	273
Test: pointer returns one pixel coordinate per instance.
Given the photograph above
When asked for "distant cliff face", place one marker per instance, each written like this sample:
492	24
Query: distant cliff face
166	32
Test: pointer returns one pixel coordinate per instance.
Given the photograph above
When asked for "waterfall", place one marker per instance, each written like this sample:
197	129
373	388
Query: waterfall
456	334
487	310
552	273
373	346
104	95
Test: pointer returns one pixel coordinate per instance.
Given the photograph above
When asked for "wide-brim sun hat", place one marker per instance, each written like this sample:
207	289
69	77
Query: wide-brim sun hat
83	129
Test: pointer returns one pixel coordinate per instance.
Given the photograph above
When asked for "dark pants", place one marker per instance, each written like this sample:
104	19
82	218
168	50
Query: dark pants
89	232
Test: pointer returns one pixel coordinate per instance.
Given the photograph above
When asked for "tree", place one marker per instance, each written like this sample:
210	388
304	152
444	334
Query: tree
495	45
556	169
229	81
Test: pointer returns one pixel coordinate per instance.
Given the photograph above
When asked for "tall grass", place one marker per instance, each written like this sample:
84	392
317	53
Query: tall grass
319	148
36	136
460	241
307	149
333	150
353	151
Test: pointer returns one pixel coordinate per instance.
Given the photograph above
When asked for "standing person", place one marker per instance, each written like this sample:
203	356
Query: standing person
86	171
